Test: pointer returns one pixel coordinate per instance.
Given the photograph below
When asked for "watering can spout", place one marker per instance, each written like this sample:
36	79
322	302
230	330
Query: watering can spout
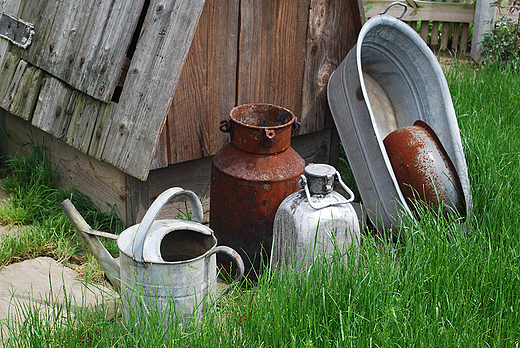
88	235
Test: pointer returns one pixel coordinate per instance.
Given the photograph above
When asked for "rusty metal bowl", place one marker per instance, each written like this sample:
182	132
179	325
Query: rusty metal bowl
423	169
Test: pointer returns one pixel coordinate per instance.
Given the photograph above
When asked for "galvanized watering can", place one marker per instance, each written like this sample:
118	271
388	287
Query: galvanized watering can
164	263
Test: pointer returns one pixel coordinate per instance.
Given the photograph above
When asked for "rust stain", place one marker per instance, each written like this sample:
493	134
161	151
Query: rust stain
422	167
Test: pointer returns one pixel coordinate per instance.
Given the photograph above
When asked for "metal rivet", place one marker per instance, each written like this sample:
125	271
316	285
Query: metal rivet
98	132
71	58
51	47
135	70
25	93
122	128
101	90
82	60
104	68
7	63
58	110
159	8
43	82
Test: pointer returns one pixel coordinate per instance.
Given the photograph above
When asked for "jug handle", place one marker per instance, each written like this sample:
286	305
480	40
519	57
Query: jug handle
154	210
240	263
303	184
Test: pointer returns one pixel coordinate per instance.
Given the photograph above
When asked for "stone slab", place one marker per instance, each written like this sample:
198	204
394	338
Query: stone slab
43	283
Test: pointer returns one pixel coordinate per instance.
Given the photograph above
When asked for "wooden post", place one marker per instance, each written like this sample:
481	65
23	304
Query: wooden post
484	14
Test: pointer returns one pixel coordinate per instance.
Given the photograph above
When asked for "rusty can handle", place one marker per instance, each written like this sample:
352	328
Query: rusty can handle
153	211
296	126
226	126
240	263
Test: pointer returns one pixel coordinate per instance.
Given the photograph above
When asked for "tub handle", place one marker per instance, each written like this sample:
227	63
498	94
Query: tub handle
393	4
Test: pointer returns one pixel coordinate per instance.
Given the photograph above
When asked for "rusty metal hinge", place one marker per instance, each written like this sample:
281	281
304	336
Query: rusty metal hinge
16	30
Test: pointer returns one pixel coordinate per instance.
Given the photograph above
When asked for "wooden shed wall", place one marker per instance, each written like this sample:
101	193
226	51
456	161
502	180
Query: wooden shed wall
275	51
244	51
63	82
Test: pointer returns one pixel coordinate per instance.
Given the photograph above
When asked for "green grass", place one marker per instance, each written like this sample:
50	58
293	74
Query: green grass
439	285
34	205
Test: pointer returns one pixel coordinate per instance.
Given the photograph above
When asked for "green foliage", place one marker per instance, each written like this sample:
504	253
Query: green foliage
501	45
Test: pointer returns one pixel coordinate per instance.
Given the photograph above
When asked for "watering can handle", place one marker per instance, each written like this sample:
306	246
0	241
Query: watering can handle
154	210
240	263
393	4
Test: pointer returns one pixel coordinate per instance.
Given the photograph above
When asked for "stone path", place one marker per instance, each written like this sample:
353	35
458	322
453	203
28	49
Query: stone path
42	283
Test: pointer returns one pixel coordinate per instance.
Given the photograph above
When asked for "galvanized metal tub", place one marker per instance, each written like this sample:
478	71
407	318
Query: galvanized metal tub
390	79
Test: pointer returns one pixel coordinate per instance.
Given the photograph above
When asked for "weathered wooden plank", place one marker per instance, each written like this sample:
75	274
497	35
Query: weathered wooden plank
207	87
445	35
7	71
464	37
426	11
161	157
146	97
26	96
82	42
272	47
85	111
49	114
434	40
13	84
333	27
455	36
101	127
103	183
425	27
137	202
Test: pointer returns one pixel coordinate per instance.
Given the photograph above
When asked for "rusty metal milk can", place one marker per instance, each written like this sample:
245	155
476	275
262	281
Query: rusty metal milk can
251	176
315	220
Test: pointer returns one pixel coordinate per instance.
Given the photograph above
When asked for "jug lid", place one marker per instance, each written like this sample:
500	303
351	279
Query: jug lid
320	170
320	177
152	242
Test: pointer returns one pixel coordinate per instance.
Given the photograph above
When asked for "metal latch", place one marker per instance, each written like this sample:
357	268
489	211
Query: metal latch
16	30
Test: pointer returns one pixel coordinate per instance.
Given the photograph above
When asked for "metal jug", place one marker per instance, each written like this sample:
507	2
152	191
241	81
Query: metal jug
161	260
315	220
